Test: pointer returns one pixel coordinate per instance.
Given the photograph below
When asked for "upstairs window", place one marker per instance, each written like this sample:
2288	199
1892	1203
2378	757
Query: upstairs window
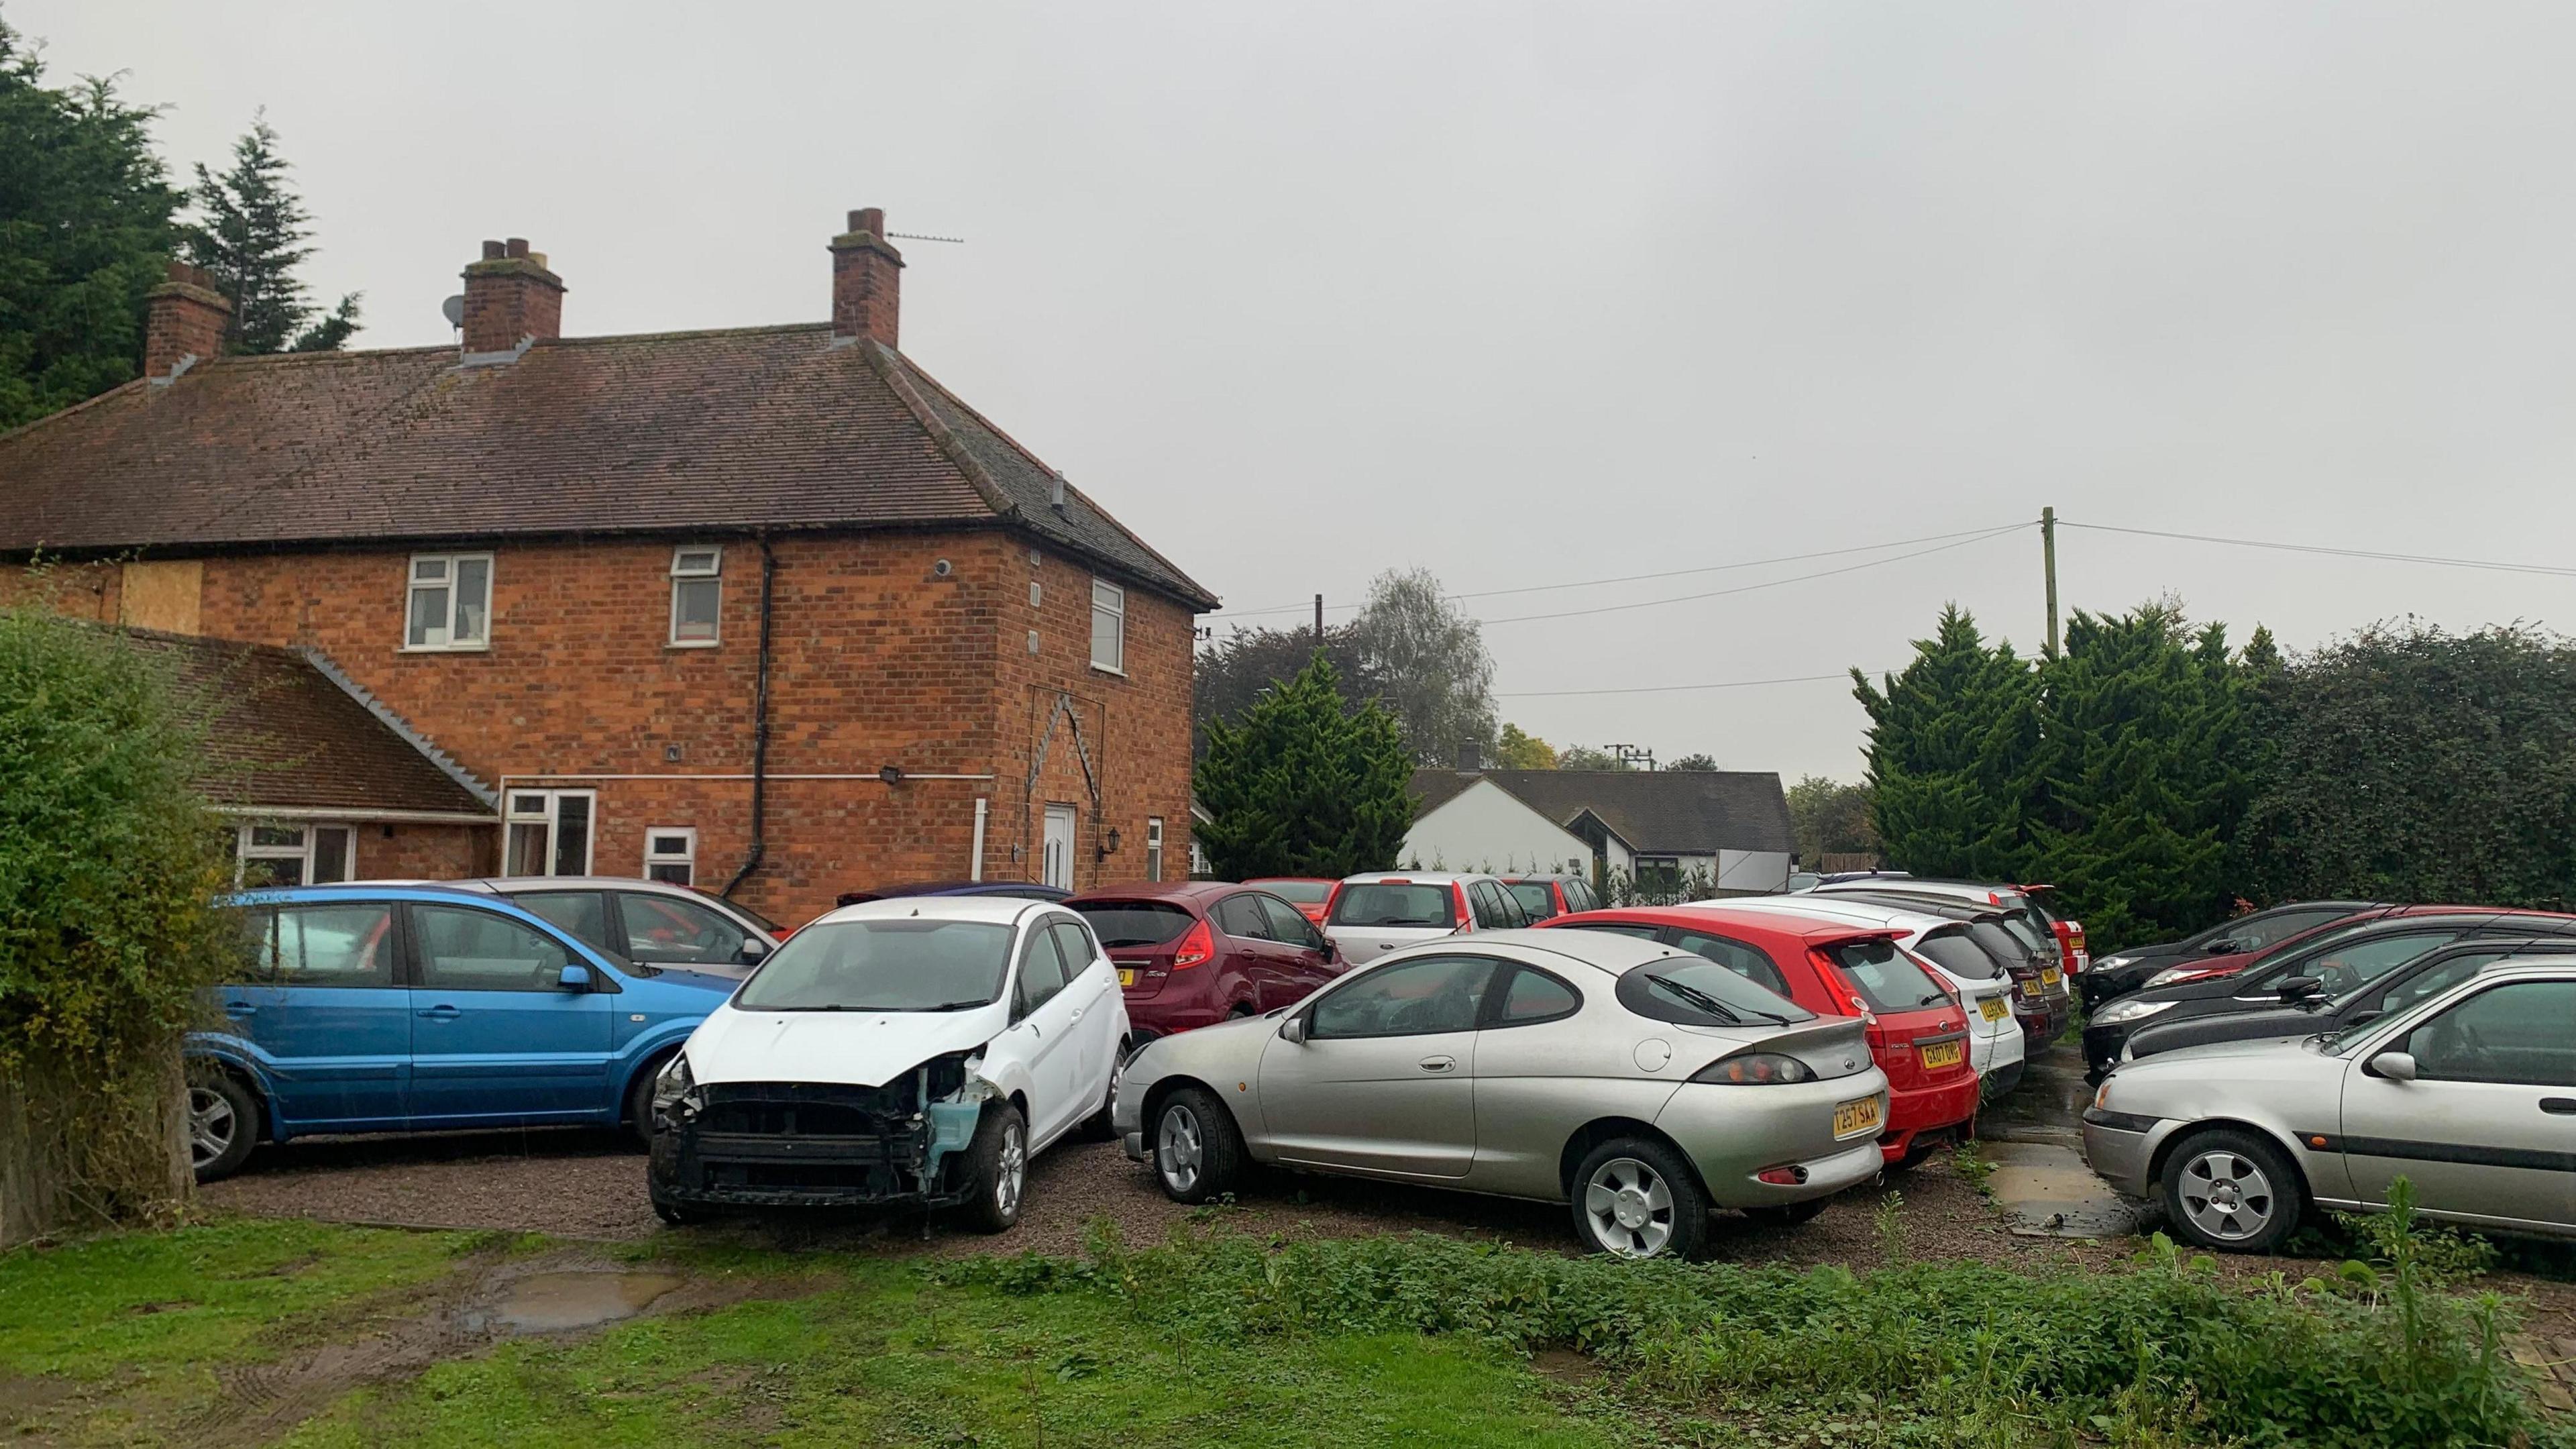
671	854
697	594
1108	627
450	604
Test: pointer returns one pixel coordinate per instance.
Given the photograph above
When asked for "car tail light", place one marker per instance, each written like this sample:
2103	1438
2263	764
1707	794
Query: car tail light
1466	922
1755	1069
1196	947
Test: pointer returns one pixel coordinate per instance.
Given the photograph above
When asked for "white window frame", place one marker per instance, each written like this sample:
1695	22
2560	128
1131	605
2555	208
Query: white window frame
549	814
1110	601
684	574
448	643
686	858
1153	847
245	851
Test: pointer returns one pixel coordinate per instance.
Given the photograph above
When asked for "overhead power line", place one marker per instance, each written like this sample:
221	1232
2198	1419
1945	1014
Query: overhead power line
1765	584
2497	565
1845	676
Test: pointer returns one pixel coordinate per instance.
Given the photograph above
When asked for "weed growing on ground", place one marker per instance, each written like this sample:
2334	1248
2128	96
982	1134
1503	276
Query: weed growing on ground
1974	1167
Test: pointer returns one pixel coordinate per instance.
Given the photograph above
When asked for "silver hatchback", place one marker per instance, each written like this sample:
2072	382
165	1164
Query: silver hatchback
1641	1084
2470	1094
1370	915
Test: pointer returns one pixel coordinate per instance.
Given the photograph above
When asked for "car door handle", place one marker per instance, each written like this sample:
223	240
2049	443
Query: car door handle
1439	1064
441	1013
238	1010
2559	1106
1077	1016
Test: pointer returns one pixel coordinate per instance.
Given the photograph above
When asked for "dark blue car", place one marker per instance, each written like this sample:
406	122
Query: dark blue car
391	1008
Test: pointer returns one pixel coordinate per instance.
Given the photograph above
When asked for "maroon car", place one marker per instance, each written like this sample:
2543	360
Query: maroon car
1193	953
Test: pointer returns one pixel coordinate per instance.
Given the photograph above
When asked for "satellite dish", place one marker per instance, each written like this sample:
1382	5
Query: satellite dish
454	307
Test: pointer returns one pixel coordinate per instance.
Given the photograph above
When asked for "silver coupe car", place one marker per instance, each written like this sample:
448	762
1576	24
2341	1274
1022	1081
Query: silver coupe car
1642	1084
2470	1093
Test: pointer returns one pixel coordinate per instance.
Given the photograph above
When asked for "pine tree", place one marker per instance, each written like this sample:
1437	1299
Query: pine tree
1952	742
252	236
85	230
1305	785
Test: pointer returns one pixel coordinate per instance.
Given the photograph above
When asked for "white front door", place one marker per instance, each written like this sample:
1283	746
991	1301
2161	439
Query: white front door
1056	856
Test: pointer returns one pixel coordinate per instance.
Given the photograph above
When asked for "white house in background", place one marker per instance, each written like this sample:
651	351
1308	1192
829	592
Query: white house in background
1656	826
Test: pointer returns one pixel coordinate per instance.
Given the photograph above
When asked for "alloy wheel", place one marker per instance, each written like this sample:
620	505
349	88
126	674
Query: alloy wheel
1178	1152
1014	1169
1630	1207
2226	1195
211	1125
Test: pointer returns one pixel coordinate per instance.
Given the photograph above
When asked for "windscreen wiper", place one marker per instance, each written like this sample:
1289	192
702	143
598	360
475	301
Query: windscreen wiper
1711	1004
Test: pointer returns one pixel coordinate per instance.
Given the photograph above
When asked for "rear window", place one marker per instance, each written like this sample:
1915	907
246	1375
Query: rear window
1884	977
1386	903
1298	892
2004	946
1695	991
1953	952
1134	923
1535	898
2037	939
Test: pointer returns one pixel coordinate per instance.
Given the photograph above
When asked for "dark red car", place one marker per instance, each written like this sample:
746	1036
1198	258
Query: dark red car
1193	953
1918	1031
1310	894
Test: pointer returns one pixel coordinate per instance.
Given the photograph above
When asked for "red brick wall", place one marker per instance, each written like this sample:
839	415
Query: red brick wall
425	852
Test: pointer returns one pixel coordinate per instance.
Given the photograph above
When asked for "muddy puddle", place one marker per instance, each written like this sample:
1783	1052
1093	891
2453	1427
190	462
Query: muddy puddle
560	1302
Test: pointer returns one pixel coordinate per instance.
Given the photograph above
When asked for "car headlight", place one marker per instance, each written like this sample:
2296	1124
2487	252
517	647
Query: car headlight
2124	1011
2110	963
1755	1069
2170	975
673	1084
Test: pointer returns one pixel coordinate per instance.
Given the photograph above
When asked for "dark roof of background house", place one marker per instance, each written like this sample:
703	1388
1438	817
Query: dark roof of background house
280	733
1656	811
757	428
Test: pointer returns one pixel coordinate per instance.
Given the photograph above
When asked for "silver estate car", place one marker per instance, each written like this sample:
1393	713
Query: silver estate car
1643	1085
2471	1094
649	922
1388	910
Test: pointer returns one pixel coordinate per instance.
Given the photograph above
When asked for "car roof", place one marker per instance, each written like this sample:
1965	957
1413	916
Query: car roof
1415	877
1978	892
1264	879
1800	925
1170	890
1603	951
1821	907
996	910
506	884
1948	908
1536	875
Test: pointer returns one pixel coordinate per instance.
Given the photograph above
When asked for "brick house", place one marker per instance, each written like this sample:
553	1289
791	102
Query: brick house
767	608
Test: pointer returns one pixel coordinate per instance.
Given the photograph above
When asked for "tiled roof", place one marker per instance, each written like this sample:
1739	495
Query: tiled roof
1695	812
758	428
280	734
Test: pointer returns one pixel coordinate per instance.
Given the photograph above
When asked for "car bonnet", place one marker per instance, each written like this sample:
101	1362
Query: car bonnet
850	1048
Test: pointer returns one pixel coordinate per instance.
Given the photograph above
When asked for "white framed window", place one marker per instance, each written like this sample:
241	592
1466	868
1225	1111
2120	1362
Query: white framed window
697	597
1153	847
1108	627
671	854
287	853
449	602
549	832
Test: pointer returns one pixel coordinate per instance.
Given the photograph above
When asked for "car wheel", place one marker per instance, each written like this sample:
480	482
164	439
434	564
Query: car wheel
639	1100
2232	1191
223	1125
1197	1151
1788	1216
997	1166
1634	1198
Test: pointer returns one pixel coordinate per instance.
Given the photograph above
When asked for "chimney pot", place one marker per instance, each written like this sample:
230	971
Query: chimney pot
510	295
185	319
867	276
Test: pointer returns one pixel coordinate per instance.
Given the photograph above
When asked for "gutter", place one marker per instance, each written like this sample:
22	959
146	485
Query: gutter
759	729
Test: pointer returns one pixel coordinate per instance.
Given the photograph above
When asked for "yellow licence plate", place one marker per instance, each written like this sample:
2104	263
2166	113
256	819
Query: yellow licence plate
2033	989
1994	1008
1944	1054
2050	976
1851	1119
1126	975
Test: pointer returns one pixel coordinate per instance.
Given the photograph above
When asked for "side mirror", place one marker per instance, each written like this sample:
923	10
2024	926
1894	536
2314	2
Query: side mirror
2219	948
2363	1018
1332	949
573	978
1293	1030
2395	1066
2300	988
754	951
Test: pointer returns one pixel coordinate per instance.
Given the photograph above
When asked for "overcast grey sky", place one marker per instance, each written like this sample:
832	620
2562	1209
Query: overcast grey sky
1533	294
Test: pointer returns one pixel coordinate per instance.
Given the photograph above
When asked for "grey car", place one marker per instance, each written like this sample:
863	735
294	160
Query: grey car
1643	1085
649	922
2470	1093
1387	910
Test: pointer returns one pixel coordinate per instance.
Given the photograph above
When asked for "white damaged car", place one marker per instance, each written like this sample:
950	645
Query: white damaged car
912	1051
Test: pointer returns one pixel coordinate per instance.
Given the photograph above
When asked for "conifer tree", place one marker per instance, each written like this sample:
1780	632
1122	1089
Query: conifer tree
252	235
1305	785
1951	743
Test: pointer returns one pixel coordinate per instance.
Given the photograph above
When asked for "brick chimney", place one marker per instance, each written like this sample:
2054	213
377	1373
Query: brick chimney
183	322
509	295
867	279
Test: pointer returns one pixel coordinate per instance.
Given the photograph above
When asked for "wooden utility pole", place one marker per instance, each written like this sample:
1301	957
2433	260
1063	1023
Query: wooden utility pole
1319	620
2048	563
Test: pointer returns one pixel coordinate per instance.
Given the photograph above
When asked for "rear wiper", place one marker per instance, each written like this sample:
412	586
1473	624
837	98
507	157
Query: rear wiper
1711	1004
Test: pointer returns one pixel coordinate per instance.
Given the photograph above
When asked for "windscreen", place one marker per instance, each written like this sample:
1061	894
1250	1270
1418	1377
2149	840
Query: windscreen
1952	951
1134	923
1299	892
1535	898
889	965
1885	977
1397	903
748	914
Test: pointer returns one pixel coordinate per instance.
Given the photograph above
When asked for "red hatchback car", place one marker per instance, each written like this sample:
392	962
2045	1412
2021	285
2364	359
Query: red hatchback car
1310	894
1193	953
1918	1031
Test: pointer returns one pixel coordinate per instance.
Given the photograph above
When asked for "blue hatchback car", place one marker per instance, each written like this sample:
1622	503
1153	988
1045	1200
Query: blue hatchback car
413	1008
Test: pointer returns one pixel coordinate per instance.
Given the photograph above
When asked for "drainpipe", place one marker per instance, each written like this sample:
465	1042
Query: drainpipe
975	866
759	731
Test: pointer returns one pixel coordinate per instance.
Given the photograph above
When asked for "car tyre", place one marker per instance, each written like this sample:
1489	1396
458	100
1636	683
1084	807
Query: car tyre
997	1169
223	1124
1637	1198
2232	1192
1788	1215
639	1100
1197	1151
